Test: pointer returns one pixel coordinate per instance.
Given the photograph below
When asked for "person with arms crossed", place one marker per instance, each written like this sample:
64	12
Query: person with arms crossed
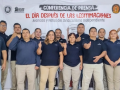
51	52
73	62
94	51
27	60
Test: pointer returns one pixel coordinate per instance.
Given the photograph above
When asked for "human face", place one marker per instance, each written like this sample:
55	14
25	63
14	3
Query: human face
26	34
51	36
17	29
38	33
58	33
93	32
3	27
80	29
72	39
101	33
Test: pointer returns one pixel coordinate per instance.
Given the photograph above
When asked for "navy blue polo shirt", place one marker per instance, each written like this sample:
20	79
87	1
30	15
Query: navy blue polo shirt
73	52
2	46
97	47
4	36
26	51
113	50
50	54
83	36
62	40
38	40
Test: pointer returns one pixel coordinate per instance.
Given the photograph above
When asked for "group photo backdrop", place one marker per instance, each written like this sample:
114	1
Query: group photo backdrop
63	14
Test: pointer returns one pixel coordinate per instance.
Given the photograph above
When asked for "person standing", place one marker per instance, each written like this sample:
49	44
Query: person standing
37	37
112	62
94	51
3	28
58	33
51	52
27	60
101	36
17	31
72	62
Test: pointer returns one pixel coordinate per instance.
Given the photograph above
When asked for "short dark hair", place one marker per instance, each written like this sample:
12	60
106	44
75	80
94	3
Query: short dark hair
71	34
26	29
92	28
100	29
16	24
2	21
38	28
58	29
80	24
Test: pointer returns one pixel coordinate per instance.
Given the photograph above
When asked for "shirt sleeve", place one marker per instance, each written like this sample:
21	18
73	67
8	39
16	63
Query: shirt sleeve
84	41
14	43
104	48
3	44
37	57
60	47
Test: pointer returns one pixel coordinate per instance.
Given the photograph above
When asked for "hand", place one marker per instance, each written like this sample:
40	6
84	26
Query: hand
112	63
81	66
36	67
14	35
116	63
61	67
96	59
33	35
19	35
118	29
40	45
87	46
78	39
64	45
3	67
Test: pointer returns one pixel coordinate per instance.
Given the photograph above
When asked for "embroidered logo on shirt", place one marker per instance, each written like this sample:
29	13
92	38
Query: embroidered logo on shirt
98	44
56	45
118	43
83	38
77	47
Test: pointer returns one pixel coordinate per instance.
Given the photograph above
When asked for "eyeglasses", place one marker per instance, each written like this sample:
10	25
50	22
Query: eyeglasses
3	25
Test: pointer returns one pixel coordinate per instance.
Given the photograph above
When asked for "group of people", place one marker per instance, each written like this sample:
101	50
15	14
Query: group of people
81	55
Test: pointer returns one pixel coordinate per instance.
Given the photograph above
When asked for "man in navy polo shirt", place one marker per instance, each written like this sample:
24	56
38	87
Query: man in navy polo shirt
17	31
4	55
3	28
58	33
27	60
101	36
80	32
37	37
94	50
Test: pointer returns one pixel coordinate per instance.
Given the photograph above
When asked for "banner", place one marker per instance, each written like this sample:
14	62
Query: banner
63	14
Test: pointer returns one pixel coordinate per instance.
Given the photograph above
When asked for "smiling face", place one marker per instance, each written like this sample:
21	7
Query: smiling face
51	36
113	34
72	38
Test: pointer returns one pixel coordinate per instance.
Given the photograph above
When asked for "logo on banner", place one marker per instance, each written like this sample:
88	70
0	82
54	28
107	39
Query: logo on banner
19	10
7	9
116	8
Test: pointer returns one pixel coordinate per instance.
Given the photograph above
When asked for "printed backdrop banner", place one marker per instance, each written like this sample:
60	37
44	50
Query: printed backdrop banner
63	14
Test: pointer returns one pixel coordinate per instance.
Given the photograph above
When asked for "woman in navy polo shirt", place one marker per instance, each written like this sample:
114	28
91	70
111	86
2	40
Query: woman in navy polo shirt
72	62
112	62
51	52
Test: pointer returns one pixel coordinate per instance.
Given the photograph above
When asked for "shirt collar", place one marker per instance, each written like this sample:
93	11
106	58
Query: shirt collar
73	44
